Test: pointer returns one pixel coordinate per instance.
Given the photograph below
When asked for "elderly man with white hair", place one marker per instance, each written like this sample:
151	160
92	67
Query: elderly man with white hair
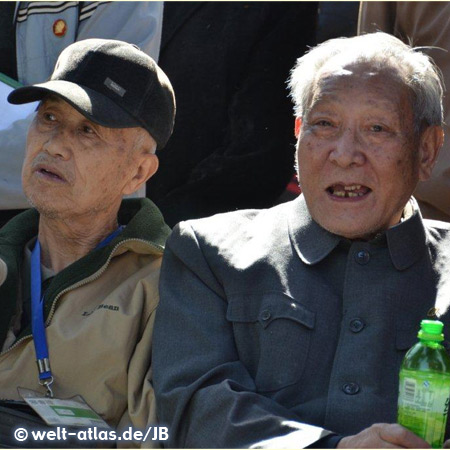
82	267
286	327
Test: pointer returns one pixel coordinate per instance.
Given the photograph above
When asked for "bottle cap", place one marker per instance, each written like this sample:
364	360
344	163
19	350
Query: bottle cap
431	330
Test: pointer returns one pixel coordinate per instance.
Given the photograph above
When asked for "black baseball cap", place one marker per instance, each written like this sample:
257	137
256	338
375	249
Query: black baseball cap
111	83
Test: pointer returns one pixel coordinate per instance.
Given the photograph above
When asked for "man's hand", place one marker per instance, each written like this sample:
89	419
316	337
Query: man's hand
384	435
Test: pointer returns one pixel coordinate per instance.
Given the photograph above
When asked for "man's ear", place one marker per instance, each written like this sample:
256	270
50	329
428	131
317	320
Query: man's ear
147	166
298	125
431	142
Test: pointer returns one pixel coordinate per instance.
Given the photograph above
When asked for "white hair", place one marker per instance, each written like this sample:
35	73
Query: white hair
144	141
380	50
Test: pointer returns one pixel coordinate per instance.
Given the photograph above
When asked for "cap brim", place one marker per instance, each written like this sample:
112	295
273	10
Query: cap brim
94	106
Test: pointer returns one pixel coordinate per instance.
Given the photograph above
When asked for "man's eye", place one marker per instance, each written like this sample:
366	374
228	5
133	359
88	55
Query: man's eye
87	129
377	128
49	117
323	123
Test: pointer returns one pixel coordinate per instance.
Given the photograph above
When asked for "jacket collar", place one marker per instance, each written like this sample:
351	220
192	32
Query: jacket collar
312	242
406	241
141	216
144	223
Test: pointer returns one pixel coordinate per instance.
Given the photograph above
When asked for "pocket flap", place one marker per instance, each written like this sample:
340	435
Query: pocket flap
266	307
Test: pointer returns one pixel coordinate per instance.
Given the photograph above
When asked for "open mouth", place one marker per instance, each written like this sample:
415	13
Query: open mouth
50	175
348	191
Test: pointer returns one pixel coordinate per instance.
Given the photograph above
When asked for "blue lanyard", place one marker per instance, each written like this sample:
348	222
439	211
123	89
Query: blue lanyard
37	313
110	237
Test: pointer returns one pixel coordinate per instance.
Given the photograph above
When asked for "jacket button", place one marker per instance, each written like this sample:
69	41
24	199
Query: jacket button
265	315
350	388
356	325
362	257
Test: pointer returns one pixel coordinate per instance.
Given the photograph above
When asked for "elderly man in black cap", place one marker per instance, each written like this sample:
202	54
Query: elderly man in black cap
80	270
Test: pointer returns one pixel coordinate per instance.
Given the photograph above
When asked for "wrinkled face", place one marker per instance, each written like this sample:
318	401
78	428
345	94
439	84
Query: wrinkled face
73	166
357	152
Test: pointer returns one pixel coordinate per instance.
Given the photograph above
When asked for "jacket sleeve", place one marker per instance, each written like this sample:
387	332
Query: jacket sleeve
137	22
141	410
205	395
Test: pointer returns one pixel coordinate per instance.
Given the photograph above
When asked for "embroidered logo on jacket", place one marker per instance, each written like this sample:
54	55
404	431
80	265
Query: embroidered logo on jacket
102	306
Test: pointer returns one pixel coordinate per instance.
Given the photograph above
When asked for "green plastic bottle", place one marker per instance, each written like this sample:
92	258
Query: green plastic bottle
424	389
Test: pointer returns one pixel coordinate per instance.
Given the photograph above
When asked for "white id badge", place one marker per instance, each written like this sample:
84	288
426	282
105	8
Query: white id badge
70	412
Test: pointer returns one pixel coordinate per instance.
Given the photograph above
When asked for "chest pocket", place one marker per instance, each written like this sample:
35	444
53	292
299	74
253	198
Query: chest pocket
272	334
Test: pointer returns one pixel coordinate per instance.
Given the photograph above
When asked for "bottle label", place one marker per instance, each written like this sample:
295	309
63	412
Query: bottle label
423	404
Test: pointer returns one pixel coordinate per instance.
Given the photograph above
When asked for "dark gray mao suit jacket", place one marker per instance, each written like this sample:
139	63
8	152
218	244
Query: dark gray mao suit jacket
268	322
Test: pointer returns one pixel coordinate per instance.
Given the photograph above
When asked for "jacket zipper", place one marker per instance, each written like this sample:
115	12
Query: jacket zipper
93	277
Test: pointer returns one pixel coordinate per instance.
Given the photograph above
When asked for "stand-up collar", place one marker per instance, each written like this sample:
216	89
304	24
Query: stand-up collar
312	242
406	241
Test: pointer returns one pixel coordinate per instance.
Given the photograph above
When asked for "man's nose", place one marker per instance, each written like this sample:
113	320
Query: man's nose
347	149
58	143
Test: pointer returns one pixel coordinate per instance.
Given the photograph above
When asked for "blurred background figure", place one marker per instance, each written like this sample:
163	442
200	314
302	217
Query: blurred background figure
337	19
233	142
423	24
32	35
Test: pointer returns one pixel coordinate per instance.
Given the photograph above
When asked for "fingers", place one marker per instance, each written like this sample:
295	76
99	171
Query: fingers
400	436
384	435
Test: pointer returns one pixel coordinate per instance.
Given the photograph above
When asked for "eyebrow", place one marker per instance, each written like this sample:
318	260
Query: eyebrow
52	98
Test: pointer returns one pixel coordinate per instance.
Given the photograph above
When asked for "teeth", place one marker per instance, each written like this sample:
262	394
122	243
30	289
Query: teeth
353	187
346	193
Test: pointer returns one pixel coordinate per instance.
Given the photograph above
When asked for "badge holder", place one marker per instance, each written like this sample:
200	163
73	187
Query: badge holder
70	412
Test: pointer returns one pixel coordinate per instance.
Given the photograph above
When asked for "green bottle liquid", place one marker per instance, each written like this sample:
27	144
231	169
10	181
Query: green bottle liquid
424	389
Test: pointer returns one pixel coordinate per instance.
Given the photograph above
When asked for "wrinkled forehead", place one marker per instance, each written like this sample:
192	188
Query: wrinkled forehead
363	69
339	79
359	63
